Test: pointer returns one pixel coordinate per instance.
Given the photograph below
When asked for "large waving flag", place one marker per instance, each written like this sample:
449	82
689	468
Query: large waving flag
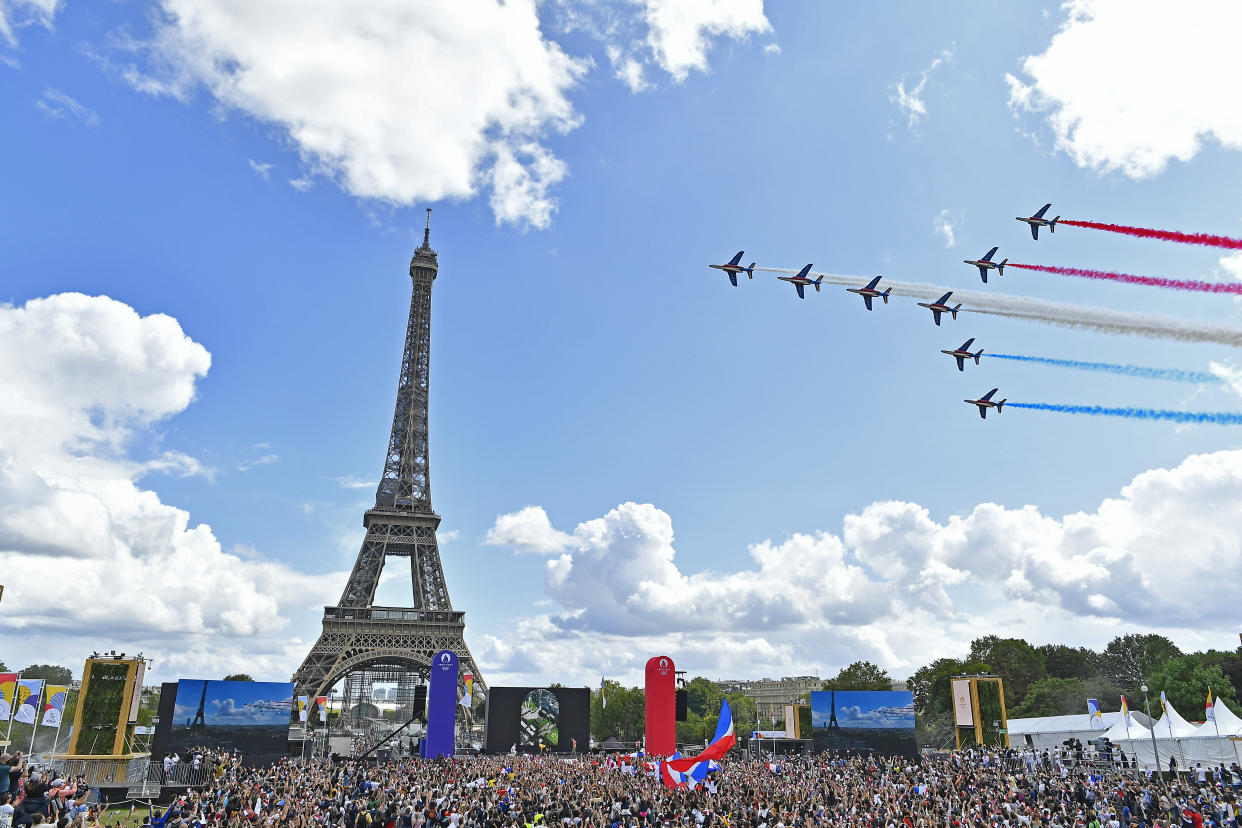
28	691
55	705
1209	713
692	770
1093	710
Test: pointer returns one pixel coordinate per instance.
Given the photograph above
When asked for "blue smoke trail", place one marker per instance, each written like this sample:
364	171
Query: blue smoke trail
1218	417
1174	374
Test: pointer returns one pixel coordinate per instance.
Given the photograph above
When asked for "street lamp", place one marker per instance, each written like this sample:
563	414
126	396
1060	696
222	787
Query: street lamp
1152	731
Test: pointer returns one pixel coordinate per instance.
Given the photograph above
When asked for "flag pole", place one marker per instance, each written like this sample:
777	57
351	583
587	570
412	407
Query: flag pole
17	682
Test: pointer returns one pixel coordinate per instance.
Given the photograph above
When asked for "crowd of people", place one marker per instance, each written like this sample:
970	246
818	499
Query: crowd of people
967	789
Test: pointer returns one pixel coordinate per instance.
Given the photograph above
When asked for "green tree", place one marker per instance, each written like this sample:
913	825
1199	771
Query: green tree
1051	696
1017	663
50	673
861	675
1065	662
703	696
239	677
1230	664
933	697
745	715
1129	660
624	716
1185	681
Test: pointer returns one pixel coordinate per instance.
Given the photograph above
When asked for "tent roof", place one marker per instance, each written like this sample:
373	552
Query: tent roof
1173	726
1120	733
1076	723
1226	720
611	743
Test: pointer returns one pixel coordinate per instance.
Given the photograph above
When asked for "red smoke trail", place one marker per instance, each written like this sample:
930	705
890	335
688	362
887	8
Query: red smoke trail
1163	235
1154	281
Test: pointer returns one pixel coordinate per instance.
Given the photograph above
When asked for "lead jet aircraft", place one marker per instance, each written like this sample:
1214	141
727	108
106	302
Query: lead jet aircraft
869	292
802	280
963	353
985	402
940	306
1037	221
985	264
734	267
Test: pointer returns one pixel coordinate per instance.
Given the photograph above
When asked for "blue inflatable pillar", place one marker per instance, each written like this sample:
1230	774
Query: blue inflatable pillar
441	706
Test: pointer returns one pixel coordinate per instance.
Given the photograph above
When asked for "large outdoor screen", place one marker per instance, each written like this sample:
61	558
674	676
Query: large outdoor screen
248	716
522	718
870	721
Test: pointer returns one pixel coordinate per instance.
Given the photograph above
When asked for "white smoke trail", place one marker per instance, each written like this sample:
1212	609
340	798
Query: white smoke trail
1050	313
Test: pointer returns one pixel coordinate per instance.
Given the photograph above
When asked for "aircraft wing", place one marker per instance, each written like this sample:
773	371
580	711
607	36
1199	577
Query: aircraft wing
1042	210
1035	231
983	274
733	279
867	301
871	285
961	363
936	316
983	412
801	290
988	395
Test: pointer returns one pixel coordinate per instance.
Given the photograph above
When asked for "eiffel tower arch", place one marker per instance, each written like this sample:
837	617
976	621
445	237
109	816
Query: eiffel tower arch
360	640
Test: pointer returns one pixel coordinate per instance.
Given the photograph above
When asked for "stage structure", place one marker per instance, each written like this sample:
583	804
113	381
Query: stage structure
365	644
979	710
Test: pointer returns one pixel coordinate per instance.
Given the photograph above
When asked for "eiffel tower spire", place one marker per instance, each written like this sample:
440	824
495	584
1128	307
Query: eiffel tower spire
358	635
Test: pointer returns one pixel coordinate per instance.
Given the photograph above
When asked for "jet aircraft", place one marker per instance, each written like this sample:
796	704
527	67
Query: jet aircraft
1037	221
985	402
941	306
963	353
869	292
802	280
985	264
734	267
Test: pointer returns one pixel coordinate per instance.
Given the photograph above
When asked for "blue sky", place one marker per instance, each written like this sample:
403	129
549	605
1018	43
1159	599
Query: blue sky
595	388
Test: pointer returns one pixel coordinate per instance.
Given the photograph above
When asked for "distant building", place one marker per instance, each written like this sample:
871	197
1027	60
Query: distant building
771	695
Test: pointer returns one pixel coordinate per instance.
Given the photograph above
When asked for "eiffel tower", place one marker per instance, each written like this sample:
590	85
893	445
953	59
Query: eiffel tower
832	720
360	639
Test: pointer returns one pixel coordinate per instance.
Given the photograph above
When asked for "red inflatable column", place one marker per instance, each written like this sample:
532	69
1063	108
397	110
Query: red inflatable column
661	706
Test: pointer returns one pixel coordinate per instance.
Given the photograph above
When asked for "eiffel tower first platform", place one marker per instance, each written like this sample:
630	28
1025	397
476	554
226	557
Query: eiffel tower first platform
364	643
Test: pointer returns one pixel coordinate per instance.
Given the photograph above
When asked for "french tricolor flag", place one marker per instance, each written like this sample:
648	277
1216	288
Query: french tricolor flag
691	770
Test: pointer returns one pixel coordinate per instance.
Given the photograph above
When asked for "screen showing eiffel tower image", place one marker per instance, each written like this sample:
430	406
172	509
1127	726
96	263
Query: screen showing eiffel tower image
871	721
248	716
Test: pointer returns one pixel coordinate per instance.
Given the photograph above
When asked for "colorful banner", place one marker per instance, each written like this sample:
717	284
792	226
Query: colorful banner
57	695
303	705
963	709
28	691
441	706
8	685
467	701
322	701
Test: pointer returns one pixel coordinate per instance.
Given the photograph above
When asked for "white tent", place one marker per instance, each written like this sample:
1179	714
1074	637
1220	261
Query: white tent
1123	731
1191	744
1050	731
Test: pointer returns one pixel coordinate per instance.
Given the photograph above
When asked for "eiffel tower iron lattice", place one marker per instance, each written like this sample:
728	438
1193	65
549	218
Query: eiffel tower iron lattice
357	635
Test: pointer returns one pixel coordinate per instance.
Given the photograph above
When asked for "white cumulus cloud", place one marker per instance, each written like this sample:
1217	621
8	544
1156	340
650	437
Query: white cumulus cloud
527	530
395	102
675	35
1128	85
894	585
88	554
943	226
16	14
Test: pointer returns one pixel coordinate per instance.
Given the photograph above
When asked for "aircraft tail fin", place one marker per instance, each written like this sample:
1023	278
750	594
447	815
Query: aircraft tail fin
953	310
1000	268
1052	225
818	282
1000	405
885	294
978	355
750	271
